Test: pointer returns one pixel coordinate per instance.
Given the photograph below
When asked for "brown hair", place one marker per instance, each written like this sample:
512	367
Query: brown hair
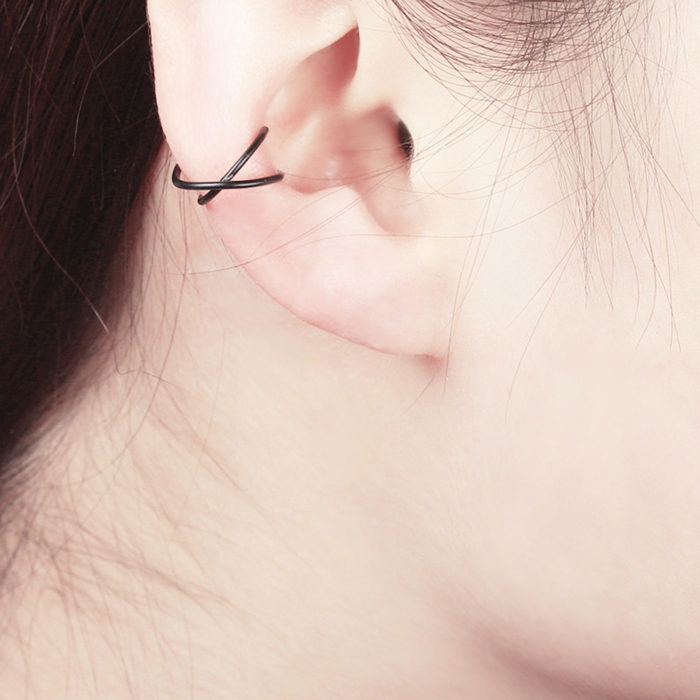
78	135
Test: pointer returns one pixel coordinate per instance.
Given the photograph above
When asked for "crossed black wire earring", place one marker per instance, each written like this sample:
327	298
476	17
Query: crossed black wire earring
227	182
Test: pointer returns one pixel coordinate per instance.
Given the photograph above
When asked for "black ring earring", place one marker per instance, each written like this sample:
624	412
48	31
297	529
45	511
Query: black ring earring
227	182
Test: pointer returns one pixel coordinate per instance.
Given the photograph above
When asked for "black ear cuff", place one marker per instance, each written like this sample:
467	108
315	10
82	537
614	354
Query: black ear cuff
227	182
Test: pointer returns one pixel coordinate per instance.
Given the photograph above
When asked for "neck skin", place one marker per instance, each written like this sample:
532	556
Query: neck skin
220	518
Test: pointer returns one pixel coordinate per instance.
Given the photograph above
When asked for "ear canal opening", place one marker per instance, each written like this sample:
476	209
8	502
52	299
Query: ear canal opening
405	140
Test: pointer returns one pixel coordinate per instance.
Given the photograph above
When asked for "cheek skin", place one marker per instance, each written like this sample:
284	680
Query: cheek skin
569	424
574	478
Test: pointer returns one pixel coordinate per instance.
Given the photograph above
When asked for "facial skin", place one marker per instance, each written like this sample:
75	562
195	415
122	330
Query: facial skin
387	429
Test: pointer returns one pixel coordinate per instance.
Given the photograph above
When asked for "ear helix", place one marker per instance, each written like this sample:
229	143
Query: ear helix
227	182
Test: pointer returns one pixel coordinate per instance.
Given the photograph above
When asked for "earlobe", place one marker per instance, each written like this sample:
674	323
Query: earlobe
339	240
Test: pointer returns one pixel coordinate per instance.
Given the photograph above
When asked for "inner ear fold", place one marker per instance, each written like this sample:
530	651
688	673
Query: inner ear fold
318	84
319	143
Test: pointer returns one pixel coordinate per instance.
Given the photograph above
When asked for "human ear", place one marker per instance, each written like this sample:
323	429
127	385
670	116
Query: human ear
340	241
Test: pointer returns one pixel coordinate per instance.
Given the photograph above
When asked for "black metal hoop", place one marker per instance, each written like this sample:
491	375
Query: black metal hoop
227	182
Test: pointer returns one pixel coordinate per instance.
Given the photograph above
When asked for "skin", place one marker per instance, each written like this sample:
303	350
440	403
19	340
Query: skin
441	450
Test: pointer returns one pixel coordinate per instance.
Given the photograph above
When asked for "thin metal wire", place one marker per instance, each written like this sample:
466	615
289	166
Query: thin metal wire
227	182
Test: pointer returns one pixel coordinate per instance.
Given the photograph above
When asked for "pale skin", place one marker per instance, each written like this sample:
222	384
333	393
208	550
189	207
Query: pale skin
380	436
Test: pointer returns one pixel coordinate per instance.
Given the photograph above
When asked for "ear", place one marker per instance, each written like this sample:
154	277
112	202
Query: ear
340	240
